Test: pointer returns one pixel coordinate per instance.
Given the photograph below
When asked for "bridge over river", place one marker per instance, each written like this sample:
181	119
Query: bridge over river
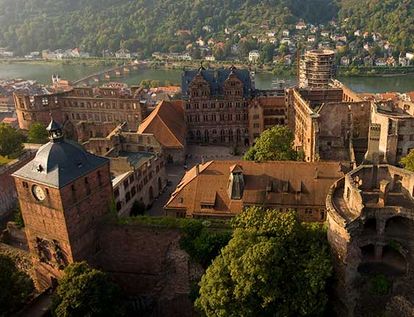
108	74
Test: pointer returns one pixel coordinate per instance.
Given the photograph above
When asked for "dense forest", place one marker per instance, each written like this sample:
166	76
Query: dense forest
151	25
394	19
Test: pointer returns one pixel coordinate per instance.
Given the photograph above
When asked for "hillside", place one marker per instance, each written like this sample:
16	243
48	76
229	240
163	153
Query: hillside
394	19
146	25
151	25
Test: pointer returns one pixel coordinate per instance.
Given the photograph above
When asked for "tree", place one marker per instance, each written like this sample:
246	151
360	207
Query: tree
137	209
11	141
16	286
275	144
37	134
267	52
272	266
84	291
408	161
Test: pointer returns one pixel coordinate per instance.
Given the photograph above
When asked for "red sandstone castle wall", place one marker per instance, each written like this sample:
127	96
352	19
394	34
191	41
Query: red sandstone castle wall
147	261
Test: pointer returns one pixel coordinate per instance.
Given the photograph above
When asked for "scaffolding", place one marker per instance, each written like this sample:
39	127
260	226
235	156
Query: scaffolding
317	68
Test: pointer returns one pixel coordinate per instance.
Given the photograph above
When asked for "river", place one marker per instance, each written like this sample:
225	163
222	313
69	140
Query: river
42	72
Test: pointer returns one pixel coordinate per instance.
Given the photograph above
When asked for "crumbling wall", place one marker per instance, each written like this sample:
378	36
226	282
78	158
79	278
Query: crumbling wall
148	263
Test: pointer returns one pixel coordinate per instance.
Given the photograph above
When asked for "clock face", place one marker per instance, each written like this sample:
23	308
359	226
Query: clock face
38	193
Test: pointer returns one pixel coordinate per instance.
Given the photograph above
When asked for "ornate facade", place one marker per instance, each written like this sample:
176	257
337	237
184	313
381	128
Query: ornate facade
101	106
216	105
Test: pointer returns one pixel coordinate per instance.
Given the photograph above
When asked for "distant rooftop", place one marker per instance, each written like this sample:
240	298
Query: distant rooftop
216	78
136	158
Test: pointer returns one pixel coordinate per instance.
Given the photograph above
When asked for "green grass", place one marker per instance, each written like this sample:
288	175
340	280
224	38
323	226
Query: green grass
171	222
4	160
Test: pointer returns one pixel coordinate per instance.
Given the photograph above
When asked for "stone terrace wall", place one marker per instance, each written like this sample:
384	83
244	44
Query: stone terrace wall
148	263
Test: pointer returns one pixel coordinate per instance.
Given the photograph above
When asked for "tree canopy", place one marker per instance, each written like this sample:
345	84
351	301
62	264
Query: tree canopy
408	161
147	26
11	141
84	291
37	133
272	266
275	144
15	286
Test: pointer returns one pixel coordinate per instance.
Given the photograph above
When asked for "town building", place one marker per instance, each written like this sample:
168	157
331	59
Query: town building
216	105
370	227
222	189
105	106
166	123
138	177
254	56
393	130
329	124
267	109
317	68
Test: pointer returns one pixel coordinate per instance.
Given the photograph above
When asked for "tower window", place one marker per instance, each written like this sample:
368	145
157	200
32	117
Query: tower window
25	185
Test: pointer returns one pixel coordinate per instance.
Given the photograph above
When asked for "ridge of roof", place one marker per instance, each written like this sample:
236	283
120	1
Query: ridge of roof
183	183
156	113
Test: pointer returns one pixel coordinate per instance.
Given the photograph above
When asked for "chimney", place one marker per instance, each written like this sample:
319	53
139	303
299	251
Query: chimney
197	167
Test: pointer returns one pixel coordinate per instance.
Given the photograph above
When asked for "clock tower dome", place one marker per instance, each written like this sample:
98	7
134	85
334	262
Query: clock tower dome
63	193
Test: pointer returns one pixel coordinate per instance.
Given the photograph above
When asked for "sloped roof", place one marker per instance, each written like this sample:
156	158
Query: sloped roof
166	123
57	164
285	184
216	79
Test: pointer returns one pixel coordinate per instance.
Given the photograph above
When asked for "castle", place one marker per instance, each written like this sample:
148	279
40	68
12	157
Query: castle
368	203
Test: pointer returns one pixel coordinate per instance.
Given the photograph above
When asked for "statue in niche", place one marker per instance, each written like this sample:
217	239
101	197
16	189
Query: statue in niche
50	252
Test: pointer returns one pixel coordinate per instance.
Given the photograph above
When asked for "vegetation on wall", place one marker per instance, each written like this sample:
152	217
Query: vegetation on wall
16	287
202	244
272	266
84	291
408	161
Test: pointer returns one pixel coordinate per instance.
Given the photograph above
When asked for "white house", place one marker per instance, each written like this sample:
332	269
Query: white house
409	55
325	33
254	56
123	53
285	33
301	25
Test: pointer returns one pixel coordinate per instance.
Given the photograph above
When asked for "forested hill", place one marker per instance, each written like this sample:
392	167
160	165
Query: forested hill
151	25
95	25
392	18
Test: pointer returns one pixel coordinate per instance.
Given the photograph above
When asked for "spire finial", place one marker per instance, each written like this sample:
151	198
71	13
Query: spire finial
54	130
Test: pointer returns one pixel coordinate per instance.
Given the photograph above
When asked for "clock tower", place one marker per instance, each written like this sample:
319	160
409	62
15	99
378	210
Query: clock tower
63	193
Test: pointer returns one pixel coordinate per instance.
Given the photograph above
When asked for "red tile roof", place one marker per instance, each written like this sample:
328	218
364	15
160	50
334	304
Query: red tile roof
274	184
167	124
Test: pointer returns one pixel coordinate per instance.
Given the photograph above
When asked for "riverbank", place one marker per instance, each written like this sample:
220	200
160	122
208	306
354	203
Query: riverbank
283	70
